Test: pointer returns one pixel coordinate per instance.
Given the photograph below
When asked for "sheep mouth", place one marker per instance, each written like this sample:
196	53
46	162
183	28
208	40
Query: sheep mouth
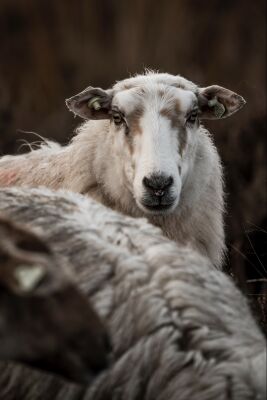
157	208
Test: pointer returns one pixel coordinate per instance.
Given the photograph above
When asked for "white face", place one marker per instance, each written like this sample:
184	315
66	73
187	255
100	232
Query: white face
155	126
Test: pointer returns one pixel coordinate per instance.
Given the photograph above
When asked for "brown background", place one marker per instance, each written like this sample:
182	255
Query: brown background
52	49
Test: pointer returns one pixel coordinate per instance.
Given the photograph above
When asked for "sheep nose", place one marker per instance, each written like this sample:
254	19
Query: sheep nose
158	183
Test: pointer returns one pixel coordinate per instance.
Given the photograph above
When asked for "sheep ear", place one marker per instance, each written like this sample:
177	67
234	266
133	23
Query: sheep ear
92	103
216	102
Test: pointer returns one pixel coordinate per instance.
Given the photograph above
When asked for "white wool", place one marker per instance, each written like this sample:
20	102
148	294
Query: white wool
99	163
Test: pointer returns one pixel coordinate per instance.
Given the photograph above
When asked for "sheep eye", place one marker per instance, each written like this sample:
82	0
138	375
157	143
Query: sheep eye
192	117
117	118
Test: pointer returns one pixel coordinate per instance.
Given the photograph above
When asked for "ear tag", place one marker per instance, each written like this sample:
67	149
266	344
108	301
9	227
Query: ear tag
29	277
94	103
219	108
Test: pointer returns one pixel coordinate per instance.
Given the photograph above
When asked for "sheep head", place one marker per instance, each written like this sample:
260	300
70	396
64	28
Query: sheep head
155	123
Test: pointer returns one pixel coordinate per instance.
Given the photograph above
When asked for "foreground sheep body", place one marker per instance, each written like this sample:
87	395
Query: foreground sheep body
145	154
179	328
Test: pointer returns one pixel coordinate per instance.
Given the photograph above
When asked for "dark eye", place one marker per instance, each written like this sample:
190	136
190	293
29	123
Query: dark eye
117	118
192	117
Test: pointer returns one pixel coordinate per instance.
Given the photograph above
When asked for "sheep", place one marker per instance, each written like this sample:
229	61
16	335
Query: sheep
45	321
142	151
179	327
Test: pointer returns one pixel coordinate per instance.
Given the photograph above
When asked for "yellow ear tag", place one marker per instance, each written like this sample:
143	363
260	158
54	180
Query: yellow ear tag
94	103
219	108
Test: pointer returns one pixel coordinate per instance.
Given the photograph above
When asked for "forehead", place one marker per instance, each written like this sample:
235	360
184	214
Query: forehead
154	97
156	78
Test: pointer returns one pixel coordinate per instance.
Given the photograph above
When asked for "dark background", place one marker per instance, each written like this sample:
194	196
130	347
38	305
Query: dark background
51	50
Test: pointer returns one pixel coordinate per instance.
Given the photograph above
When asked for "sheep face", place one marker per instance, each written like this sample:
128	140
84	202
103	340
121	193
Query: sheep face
154	125
155	128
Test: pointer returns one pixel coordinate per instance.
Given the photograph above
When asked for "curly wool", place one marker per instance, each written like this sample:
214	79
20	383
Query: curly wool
179	328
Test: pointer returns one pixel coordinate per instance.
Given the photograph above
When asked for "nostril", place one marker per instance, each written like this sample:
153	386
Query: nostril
169	182
146	183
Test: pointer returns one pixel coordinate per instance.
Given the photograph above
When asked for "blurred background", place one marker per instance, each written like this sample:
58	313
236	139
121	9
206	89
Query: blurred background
51	50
